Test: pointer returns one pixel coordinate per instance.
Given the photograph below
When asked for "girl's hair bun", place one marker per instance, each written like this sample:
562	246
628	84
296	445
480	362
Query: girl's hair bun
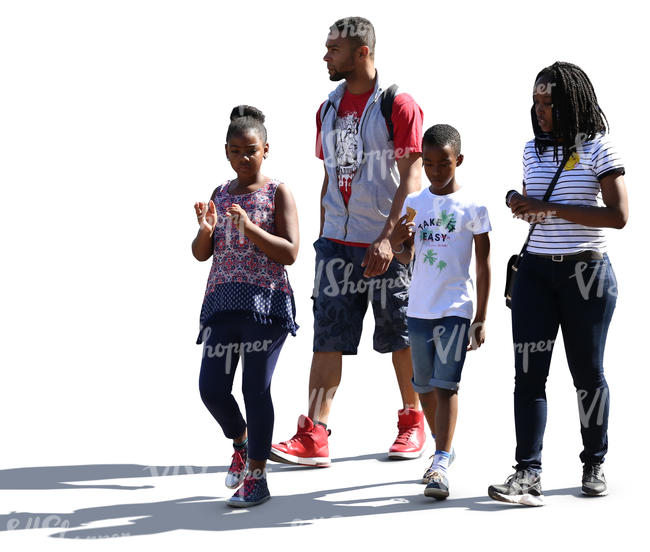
246	111
244	118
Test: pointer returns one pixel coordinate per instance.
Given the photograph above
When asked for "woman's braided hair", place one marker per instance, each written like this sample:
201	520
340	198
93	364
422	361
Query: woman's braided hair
576	113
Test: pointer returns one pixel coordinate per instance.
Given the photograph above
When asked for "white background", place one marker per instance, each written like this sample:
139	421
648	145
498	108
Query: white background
113	118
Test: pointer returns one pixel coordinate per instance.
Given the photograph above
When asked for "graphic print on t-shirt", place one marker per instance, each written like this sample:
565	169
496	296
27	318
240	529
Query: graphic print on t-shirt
445	222
346	131
437	229
445	227
407	124
431	257
572	161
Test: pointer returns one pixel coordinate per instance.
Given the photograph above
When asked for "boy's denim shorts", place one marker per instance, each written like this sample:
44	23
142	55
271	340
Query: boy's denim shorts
438	349
341	296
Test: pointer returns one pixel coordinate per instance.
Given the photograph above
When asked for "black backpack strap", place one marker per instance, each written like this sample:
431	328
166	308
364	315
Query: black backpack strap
324	110
387	99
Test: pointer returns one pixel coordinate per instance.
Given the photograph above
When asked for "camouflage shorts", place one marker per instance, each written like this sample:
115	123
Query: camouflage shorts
341	296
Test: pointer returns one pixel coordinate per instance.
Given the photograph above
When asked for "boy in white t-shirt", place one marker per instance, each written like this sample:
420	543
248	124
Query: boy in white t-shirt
445	223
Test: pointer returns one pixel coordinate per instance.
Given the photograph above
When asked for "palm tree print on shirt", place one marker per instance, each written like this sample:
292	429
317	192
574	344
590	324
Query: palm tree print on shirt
430	257
448	221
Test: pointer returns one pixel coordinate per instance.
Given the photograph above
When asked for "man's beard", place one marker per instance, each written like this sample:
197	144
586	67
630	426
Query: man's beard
338	76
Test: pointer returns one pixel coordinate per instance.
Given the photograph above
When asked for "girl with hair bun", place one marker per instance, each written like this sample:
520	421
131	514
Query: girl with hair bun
249	228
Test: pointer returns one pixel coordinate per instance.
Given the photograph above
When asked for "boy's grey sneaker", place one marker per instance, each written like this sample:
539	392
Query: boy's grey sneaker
426	478
438	487
522	487
593	480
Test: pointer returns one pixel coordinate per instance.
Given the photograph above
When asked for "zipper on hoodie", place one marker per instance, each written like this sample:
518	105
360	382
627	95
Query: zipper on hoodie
361	122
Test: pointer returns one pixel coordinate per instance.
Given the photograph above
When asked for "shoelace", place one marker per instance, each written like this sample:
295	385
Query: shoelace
594	470
430	469
248	487
522	477
303	432
296	437
404	435
238	463
435	475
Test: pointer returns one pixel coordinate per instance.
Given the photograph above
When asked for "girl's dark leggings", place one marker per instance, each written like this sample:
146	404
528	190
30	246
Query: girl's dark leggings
258	345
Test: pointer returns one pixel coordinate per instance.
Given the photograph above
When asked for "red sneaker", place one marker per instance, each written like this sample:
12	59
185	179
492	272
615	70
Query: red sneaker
410	437
308	447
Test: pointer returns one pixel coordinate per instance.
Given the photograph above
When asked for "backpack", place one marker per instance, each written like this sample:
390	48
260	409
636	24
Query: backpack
387	100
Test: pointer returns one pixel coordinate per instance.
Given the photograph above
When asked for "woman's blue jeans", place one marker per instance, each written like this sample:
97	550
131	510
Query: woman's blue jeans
580	298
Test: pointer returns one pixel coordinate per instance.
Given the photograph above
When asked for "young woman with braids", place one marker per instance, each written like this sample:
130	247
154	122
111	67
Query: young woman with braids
565	278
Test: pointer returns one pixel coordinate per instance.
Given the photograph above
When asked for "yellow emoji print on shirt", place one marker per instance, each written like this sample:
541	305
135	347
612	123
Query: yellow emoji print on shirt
572	161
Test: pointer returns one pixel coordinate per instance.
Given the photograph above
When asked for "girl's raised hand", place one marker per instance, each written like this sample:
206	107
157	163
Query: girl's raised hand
238	217
206	215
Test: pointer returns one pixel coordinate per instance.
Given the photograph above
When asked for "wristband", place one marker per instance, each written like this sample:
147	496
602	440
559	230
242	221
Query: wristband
398	252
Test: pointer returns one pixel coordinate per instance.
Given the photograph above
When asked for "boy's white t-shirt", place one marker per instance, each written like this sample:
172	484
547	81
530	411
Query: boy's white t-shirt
444	229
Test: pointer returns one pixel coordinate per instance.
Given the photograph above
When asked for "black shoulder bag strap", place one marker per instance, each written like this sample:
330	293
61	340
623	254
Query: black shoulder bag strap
546	197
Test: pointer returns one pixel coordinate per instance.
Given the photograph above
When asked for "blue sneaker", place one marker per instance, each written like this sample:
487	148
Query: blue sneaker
254	491
438	486
426	478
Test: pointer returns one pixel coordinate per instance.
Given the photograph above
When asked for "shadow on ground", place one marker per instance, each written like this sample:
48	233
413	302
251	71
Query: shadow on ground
210	513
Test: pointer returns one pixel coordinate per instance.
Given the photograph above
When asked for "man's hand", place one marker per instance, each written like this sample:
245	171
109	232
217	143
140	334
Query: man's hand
378	257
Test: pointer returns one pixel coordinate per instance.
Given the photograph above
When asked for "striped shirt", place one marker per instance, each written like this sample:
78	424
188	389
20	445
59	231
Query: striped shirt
578	185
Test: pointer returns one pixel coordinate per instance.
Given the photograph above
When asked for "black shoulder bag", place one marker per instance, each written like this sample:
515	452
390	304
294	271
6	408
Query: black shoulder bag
513	262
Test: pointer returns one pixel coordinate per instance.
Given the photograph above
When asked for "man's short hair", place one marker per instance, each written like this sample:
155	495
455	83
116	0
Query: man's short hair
357	29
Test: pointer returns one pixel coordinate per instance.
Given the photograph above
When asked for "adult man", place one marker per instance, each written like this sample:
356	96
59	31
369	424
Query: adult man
367	177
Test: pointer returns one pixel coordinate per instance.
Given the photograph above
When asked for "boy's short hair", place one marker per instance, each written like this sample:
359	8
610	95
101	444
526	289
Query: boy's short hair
442	135
357	29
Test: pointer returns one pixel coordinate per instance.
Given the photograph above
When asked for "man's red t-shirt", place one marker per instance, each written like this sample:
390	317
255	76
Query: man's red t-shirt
407	134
